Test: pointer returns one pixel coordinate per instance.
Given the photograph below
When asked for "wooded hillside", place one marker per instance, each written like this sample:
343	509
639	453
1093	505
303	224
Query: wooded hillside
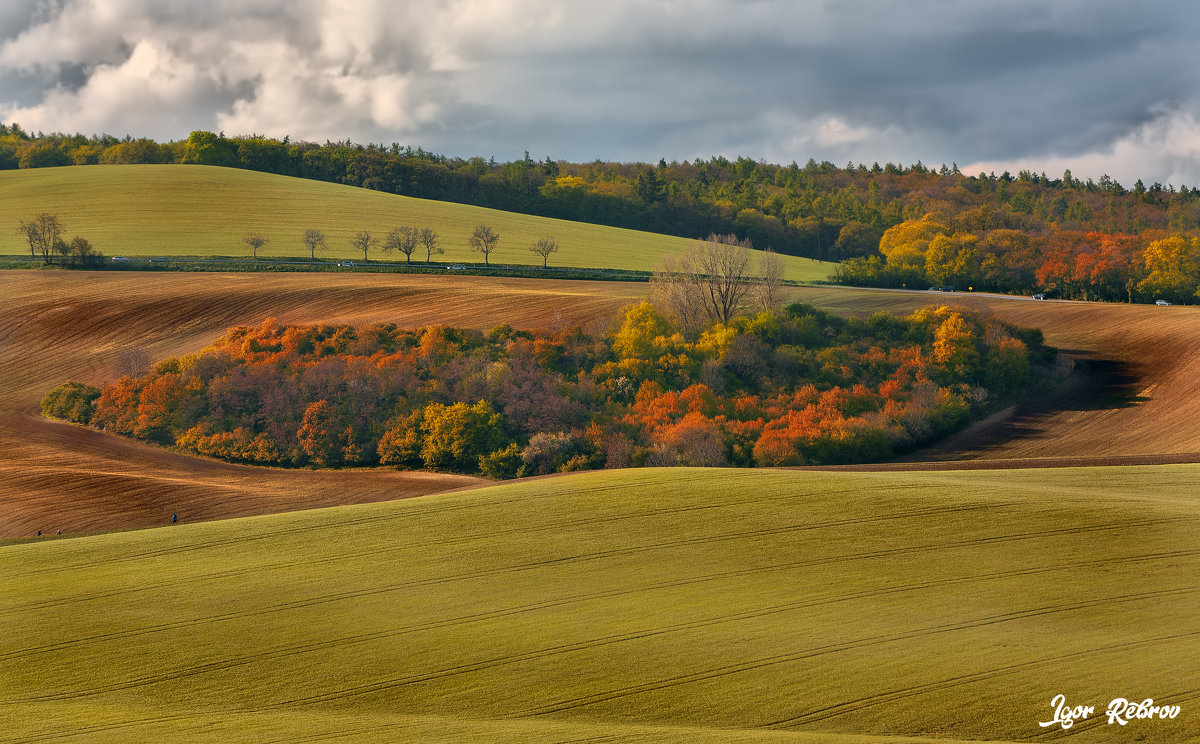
1076	238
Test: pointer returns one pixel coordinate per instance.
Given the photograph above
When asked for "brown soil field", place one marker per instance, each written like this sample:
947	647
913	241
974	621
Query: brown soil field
56	326
1137	398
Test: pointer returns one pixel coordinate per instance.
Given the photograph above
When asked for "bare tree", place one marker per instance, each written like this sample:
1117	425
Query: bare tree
132	361
676	289
62	248
363	242
429	240
483	240
403	239
314	239
82	248
43	233
767	292
254	241
711	278
544	247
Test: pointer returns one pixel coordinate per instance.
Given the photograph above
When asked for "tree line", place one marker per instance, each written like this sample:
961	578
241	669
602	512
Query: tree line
1025	232
765	388
817	210
1070	264
407	240
44	235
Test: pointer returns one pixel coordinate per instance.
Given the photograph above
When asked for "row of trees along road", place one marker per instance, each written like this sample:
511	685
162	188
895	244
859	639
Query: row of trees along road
406	240
44	233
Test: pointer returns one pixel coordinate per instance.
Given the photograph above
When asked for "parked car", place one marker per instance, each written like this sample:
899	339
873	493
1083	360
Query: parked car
1039	296
1162	303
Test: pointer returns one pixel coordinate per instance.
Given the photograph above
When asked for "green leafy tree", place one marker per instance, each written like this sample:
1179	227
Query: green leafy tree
71	401
503	463
206	148
457	436
44	155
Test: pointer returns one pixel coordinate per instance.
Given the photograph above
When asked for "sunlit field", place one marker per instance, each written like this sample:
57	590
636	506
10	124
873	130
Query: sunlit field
192	210
719	604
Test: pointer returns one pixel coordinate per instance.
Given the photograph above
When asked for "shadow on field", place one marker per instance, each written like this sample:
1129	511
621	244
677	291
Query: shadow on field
1093	385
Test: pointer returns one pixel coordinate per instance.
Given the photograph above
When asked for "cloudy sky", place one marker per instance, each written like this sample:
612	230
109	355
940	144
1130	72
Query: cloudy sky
1091	85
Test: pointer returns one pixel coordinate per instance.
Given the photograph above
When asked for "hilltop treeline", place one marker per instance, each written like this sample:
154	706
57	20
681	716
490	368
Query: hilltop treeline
816	210
797	387
1074	238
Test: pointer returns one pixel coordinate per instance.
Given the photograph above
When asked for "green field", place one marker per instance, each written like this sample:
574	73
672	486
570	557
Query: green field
192	210
645	605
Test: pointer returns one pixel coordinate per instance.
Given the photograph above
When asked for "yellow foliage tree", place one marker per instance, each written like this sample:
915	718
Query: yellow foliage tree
905	244
1172	268
953	259
955	346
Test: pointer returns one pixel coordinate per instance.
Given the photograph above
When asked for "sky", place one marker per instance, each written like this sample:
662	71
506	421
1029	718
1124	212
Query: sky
1095	86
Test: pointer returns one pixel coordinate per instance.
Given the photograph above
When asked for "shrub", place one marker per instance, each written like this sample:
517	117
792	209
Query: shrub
71	401
503	463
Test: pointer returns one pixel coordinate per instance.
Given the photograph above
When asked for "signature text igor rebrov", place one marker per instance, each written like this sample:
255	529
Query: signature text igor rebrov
1119	710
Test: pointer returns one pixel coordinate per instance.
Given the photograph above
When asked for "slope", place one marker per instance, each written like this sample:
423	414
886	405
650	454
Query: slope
166	210
685	605
57	326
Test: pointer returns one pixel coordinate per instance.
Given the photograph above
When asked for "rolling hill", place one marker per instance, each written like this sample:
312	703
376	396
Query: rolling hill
56	326
193	210
648	605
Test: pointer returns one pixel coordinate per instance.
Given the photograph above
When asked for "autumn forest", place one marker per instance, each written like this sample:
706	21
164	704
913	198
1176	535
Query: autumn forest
889	225
796	387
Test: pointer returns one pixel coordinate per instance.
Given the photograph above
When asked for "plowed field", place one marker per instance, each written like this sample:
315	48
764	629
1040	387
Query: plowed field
1137	394
1141	396
58	326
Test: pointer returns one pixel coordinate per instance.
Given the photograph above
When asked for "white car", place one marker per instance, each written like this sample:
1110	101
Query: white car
1162	303
346	263
119	258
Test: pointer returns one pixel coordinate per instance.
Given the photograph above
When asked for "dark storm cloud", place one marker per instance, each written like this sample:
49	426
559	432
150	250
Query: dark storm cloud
1106	86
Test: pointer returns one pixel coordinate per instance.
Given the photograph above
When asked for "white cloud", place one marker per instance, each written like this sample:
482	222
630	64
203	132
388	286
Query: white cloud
142	91
1166	149
988	83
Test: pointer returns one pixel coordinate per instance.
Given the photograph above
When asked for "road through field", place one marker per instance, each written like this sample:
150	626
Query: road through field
56	326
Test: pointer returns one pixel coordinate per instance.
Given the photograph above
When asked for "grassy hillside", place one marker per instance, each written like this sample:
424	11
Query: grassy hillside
684	605
164	210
